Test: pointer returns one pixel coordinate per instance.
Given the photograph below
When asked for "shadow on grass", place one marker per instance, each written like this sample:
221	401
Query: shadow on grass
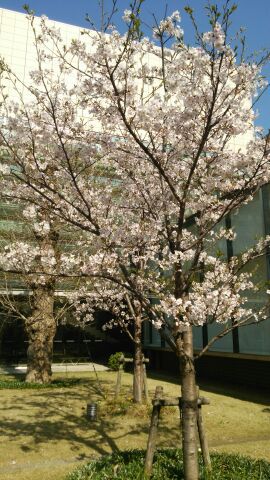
241	392
60	415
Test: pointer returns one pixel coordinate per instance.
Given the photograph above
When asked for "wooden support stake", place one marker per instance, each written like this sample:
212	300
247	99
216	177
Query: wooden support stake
119	378
153	432
202	437
122	362
145	385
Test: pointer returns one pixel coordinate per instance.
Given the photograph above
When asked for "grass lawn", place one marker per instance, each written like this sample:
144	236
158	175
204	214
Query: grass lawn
45	433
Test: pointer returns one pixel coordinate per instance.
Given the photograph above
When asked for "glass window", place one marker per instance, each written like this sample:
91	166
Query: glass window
248	224
255	339
225	344
197	338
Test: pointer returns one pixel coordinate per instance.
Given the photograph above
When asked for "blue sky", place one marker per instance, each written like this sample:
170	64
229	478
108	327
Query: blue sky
254	15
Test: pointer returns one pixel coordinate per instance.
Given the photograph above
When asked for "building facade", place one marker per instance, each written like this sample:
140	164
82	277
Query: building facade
243	355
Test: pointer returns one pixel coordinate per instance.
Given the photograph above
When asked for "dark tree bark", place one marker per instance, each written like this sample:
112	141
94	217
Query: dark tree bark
138	359
40	329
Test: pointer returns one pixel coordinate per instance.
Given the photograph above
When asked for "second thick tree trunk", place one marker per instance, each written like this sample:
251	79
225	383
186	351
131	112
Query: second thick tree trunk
40	329
189	405
138	356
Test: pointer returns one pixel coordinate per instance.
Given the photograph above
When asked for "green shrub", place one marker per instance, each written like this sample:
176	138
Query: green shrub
114	361
168	465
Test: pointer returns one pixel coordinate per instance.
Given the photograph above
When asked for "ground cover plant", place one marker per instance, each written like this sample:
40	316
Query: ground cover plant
48	434
19	383
168	465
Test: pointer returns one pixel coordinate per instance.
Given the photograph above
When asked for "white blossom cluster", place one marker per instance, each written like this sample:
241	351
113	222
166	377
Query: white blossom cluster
216	37
169	26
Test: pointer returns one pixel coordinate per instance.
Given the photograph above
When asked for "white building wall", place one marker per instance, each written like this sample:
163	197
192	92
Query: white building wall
17	43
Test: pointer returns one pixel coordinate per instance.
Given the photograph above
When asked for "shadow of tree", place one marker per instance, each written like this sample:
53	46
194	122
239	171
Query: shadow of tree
58	415
242	392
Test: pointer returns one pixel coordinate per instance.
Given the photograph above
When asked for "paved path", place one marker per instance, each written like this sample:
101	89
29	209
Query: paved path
57	367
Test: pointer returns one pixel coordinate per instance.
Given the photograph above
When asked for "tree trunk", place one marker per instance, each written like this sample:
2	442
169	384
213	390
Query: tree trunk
138	357
189	405
40	329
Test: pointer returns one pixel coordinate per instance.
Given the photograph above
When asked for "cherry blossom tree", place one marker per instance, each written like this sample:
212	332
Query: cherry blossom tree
34	260
34	253
179	116
126	311
51	127
37	259
146	150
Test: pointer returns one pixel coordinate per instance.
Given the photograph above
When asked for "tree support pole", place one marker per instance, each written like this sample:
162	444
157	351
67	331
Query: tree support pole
153	432
158	403
203	439
119	378
145	384
143	380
